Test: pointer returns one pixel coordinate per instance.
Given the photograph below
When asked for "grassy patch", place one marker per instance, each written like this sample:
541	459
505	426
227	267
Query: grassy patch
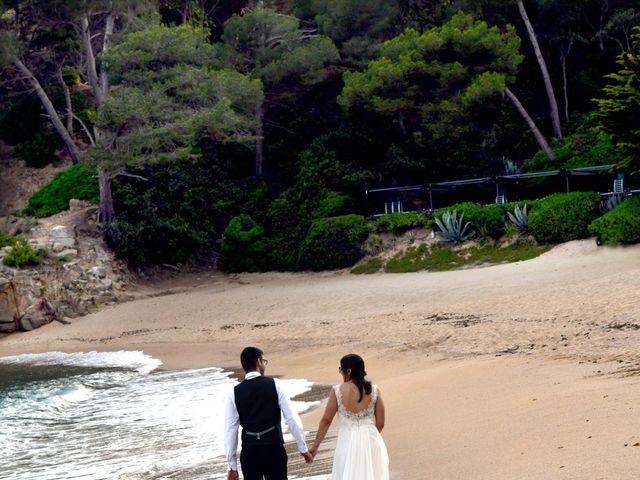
440	259
411	260
370	266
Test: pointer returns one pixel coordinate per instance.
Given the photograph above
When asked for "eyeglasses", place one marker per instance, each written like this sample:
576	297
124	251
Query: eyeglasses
265	361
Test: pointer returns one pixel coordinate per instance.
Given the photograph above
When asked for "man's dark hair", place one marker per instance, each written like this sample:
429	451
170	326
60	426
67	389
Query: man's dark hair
249	357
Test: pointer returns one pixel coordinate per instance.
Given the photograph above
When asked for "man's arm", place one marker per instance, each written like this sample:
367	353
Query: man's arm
292	419
231	426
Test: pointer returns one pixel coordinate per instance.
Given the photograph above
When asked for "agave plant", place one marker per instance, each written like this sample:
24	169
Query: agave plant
451	227
510	167
612	202
520	218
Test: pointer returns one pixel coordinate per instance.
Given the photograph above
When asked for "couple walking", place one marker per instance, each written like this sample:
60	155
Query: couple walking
258	403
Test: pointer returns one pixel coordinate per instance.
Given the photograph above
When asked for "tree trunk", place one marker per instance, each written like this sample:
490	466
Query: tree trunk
260	141
67	101
553	104
106	213
106	43
48	106
92	73
532	125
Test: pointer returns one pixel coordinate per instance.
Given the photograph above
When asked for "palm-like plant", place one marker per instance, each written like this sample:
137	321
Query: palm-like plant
451	227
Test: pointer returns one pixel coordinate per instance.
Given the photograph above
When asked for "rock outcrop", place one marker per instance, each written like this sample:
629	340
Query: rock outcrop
79	273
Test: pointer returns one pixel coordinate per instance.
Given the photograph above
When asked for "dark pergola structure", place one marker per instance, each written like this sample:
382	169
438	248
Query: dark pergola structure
499	182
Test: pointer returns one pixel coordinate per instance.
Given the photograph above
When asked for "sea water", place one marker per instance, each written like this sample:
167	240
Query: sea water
113	415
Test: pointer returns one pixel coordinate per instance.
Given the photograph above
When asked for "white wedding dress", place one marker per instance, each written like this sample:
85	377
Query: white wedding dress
360	451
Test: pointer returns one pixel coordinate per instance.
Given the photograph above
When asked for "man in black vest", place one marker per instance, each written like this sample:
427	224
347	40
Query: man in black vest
258	404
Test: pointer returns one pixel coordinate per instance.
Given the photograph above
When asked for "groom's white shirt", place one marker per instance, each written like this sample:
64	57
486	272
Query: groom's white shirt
232	423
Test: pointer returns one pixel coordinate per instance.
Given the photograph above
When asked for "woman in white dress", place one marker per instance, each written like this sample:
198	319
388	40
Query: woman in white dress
360	451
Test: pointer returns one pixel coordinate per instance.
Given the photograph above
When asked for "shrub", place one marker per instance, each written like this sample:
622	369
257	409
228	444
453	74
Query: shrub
397	223
23	254
6	240
562	217
78	181
333	243
621	225
332	204
243	245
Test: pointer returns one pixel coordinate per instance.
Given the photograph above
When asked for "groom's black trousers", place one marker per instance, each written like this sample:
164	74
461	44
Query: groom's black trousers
264	462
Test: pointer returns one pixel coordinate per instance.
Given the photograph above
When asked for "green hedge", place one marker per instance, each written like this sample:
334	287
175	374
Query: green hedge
620	225
78	181
562	217
333	243
398	223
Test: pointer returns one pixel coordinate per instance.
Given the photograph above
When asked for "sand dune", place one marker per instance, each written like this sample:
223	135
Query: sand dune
518	371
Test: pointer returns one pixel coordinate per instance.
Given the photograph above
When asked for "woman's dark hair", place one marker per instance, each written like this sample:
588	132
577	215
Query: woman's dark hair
356	364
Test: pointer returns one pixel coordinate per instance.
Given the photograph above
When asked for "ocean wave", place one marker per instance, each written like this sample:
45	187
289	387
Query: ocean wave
125	359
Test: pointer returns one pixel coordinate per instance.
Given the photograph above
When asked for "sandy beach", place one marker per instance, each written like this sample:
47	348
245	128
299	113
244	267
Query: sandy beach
527	370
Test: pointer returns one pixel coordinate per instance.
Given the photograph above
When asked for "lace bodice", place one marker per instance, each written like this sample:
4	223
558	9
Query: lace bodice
366	416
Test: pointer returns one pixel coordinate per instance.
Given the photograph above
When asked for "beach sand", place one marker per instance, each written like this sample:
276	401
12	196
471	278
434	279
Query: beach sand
520	371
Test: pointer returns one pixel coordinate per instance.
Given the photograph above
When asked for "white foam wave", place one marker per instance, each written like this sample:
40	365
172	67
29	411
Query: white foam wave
131	360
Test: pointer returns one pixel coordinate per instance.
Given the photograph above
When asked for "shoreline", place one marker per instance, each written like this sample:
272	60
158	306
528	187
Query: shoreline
526	370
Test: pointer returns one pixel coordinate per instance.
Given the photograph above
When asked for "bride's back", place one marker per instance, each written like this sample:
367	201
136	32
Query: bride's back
350	395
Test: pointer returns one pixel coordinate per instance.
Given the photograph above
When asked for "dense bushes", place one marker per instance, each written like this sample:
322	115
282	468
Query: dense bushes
182	208
563	216
40	150
78	181
333	243
620	225
243	245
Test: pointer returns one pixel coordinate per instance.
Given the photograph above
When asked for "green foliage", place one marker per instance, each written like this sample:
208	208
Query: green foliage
78	181
620	106
520	218
357	27
273	48
588	147
439	259
372	265
169	99
621	225
243	246
333	243
398	223
562	217
23	254
332	204
452	67
40	150
411	260
183	207
451	227
6	240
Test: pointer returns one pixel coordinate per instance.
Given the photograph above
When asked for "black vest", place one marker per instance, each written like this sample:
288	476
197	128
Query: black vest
257	403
